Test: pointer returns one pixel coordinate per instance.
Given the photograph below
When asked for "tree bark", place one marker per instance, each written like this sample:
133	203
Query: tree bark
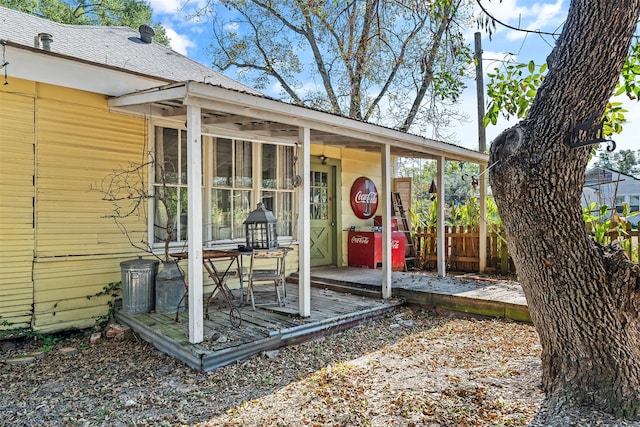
583	297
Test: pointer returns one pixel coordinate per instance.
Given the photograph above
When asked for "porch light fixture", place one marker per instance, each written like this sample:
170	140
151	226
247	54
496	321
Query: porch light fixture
433	190
323	159
260	229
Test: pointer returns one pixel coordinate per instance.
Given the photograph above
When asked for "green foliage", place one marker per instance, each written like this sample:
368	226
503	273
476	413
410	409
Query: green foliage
512	91
460	193
604	222
493	216
128	13
630	82
599	221
112	291
465	214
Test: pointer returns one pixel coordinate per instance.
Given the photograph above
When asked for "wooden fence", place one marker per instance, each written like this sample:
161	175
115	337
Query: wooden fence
463	249
462	246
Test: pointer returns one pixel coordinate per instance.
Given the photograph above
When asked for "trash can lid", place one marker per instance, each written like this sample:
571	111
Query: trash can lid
139	263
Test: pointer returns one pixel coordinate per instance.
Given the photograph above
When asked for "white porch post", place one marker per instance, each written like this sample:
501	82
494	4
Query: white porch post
304	230
440	242
482	227
385	152
194	191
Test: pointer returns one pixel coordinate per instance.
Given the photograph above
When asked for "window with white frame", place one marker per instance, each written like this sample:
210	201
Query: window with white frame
276	187
232	187
170	186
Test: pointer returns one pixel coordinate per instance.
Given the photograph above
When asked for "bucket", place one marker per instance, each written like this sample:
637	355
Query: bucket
169	289
138	285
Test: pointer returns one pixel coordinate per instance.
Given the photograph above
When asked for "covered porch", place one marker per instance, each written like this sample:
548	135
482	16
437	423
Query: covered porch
207	110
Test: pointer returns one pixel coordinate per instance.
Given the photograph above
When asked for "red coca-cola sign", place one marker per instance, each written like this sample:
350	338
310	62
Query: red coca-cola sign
358	239
364	198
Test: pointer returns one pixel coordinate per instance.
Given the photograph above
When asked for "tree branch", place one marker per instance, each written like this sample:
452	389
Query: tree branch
427	65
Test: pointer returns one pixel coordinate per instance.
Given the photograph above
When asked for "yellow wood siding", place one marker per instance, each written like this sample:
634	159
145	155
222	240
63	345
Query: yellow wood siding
16	206
78	251
77	147
62	288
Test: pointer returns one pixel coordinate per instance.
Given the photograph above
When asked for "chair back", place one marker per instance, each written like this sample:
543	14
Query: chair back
269	253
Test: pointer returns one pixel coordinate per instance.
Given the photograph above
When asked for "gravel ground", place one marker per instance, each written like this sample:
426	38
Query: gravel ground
407	369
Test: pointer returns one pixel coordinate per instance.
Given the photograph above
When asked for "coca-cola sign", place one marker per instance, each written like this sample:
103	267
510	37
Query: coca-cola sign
358	239
364	198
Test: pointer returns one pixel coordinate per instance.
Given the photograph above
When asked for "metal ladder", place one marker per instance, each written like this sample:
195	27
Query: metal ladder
410	256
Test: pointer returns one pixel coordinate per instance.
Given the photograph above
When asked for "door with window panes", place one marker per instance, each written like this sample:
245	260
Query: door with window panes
322	216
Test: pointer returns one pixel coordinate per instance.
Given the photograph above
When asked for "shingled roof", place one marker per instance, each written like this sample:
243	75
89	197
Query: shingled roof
119	47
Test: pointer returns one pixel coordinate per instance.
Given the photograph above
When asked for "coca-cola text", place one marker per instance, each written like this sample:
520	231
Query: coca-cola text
359	239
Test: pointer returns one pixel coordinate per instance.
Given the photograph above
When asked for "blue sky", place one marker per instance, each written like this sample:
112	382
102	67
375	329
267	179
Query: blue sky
192	39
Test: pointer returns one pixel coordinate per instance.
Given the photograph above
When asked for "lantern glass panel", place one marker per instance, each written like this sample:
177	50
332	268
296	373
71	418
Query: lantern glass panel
261	229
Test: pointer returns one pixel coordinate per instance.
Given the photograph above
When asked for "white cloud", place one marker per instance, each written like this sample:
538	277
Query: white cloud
179	42
526	14
178	8
231	27
169	7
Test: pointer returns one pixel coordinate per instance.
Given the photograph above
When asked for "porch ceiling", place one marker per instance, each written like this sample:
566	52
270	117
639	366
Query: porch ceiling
237	114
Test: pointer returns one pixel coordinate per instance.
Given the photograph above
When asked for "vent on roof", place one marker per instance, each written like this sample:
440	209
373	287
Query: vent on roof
45	39
146	33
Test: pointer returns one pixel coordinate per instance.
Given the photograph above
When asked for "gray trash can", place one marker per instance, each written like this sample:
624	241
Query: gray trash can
138	285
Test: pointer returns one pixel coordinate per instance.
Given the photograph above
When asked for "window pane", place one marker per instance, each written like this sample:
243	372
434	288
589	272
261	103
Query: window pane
319	196
223	158
183	157
269	161
241	209
268	200
634	203
165	214
182	230
284	214
243	164
221	214
167	156
286	168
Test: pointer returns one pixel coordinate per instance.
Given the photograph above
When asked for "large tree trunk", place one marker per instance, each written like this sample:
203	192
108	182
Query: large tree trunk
583	297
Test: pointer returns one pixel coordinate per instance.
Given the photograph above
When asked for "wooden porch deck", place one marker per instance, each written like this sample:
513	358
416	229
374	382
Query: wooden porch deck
471	294
266	328
340	298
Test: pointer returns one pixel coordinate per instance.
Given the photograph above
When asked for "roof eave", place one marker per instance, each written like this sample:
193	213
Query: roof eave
262	108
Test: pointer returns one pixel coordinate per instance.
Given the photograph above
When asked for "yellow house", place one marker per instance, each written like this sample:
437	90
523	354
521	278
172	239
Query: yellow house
79	102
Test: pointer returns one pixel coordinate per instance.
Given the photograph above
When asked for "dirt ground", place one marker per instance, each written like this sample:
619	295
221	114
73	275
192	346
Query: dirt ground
412	368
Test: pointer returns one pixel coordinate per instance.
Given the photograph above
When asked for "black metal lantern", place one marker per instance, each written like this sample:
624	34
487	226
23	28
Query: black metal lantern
260	229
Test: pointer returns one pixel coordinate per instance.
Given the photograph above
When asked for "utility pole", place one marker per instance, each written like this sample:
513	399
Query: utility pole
482	137
482	147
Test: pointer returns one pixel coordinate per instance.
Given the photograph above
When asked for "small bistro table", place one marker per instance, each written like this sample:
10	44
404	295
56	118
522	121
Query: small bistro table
219	277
